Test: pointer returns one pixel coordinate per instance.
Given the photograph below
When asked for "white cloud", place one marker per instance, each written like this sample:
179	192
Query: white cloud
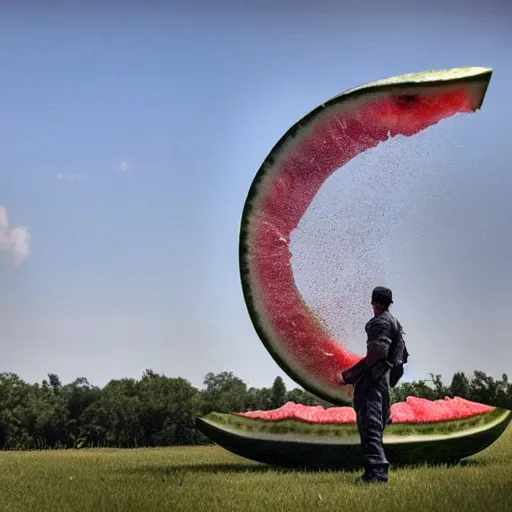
126	165
16	240
71	177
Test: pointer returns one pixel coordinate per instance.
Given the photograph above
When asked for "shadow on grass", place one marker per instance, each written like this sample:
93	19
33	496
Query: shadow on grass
174	470
222	468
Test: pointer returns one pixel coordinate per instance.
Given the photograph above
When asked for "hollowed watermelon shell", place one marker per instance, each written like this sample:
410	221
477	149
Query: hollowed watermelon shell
295	435
288	180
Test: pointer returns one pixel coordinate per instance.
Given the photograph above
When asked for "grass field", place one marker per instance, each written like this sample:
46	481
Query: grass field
211	479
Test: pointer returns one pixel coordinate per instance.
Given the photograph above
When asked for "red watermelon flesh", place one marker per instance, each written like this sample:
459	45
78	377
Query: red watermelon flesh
413	410
284	188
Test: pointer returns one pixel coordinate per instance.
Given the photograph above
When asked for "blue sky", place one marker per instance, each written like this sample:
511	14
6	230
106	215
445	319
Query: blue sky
130	136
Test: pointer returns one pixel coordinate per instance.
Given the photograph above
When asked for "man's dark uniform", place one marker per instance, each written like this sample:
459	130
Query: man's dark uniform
371	394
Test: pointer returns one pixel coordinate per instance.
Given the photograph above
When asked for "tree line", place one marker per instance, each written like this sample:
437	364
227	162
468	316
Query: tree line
157	410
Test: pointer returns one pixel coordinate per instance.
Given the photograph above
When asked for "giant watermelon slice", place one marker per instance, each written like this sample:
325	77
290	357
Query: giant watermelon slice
422	431
288	180
314	148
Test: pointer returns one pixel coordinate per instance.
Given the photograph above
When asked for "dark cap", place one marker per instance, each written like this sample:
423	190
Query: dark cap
382	295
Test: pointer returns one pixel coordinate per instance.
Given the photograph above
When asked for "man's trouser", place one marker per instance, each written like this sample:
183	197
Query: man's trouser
372	406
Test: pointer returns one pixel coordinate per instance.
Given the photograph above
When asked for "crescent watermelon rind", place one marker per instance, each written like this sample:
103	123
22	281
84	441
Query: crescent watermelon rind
464	90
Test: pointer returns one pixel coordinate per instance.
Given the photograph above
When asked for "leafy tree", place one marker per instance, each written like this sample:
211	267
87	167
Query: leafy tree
460	385
54	380
224	393
277	393
258	399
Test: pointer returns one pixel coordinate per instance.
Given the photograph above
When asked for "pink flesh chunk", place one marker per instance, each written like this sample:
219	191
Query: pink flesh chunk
413	410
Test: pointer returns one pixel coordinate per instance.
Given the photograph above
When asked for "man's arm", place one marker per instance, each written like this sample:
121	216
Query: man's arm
381	336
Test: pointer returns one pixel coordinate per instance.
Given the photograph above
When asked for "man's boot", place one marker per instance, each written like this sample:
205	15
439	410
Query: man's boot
377	474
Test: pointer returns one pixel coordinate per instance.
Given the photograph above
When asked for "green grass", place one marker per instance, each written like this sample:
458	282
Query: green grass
210	479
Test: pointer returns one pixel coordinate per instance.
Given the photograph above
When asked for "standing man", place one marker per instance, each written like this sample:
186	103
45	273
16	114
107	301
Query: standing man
371	392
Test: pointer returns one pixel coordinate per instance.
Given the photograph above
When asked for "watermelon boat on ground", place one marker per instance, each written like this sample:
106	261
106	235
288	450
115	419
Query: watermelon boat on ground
422	431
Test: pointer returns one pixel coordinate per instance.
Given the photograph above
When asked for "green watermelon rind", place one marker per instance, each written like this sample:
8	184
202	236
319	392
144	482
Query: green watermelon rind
301	427
404	443
477	77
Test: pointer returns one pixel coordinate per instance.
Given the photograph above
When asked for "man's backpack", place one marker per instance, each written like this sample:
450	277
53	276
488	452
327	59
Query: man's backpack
398	355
